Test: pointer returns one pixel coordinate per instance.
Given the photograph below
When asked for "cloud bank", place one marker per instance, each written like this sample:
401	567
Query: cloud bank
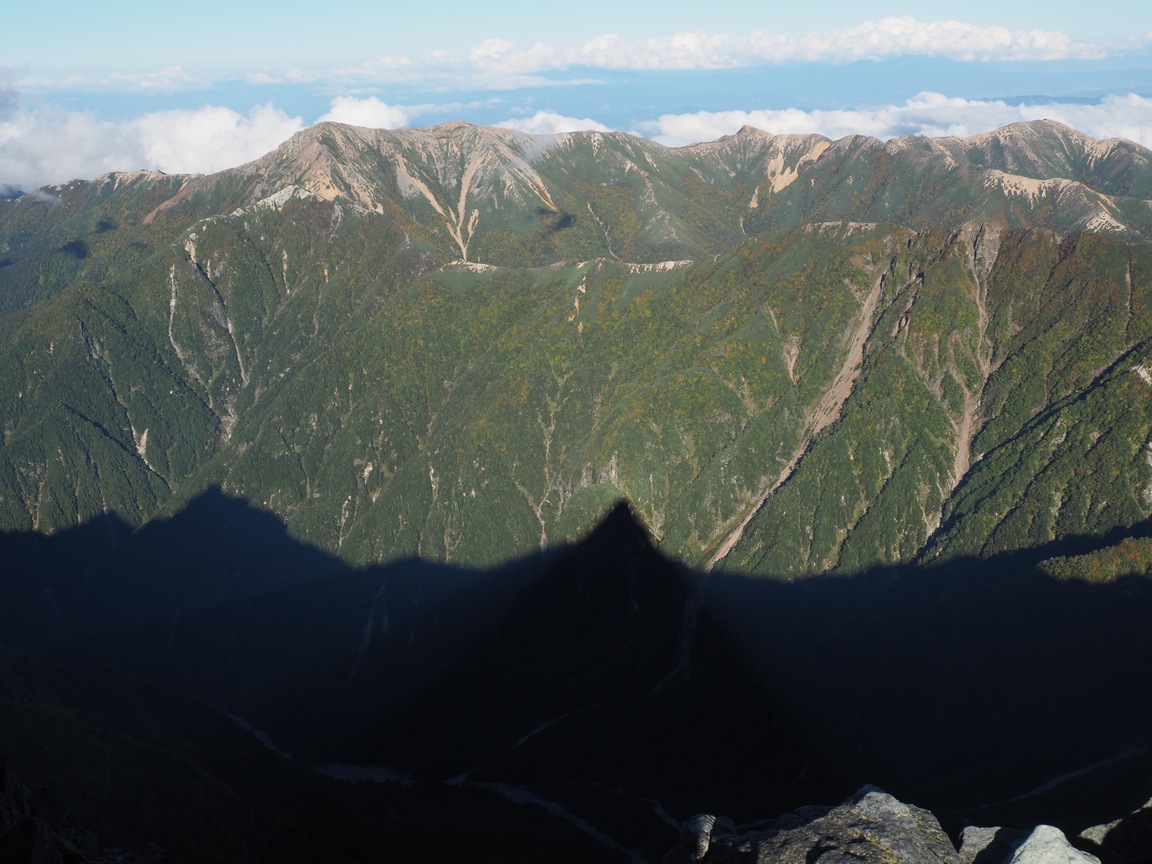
46	145
872	40
929	114
370	112
551	123
50	145
498	63
501	63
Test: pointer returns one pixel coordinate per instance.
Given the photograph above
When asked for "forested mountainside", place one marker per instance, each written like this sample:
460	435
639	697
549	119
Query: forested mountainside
298	450
791	355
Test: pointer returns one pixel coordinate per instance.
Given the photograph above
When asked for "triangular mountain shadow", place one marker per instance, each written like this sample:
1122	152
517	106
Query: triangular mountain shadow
625	688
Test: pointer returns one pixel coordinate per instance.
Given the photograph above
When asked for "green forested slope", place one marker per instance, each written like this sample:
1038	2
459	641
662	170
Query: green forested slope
791	355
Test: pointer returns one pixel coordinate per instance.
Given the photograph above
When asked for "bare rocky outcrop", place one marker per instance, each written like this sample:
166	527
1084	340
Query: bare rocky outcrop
871	827
1048	845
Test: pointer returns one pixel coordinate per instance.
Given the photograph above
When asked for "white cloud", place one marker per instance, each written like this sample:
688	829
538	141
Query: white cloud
43	144
211	138
283	75
551	123
497	63
895	36
168	80
49	145
172	78
926	114
872	40
369	111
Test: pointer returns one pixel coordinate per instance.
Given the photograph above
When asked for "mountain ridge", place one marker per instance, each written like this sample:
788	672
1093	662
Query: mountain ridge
464	343
453	156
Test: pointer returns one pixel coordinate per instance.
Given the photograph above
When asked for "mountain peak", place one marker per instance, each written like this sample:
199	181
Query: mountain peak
458	124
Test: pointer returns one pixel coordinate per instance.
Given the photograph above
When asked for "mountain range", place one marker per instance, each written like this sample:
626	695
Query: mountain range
334	444
791	355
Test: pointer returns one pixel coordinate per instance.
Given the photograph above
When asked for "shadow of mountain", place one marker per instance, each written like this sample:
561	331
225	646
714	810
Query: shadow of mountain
617	685
102	577
132	764
987	696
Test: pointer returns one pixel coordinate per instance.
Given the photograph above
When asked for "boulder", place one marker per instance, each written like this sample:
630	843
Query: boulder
1048	845
871	827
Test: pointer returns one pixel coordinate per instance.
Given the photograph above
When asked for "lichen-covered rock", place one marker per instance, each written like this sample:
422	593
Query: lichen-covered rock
871	827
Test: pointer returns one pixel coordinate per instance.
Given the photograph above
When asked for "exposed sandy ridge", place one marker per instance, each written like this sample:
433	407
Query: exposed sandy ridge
818	417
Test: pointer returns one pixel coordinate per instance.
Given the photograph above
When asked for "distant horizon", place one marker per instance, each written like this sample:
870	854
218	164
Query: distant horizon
125	89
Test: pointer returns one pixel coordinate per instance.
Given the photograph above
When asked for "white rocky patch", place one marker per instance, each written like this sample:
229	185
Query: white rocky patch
781	177
470	266
1148	491
658	266
1103	222
277	200
1021	186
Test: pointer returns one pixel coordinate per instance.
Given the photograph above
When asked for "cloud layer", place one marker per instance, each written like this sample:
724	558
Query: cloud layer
43	143
370	112
497	63
501	63
49	145
872	40
551	123
46	145
929	114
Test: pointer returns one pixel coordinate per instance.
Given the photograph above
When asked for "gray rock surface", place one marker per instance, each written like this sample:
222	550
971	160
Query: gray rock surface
989	845
1124	841
1048	845
871	827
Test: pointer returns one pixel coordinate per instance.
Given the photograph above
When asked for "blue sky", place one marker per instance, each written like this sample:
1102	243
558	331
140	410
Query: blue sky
89	88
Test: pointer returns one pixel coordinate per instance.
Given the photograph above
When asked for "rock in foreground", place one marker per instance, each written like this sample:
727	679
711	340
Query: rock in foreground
871	827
